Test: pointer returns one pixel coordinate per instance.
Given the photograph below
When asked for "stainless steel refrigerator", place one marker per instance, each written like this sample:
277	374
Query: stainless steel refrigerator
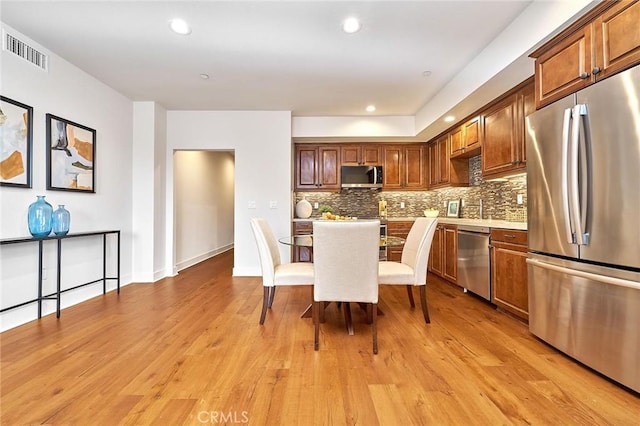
583	186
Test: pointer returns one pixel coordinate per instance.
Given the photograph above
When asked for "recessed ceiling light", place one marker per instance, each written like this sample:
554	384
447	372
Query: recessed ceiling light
426	73
204	76
371	108
351	25
449	118
180	26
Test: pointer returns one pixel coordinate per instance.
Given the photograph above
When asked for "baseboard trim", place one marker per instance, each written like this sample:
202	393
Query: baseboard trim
197	259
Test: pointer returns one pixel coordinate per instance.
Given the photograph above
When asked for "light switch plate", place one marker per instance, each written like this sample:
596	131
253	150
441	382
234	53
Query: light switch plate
273	204
316	205
519	199
252	204
402	204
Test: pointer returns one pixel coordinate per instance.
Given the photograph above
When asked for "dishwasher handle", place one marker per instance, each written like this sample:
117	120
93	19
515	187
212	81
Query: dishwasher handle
483	234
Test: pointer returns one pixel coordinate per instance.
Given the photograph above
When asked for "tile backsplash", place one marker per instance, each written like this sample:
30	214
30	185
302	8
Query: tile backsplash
500	199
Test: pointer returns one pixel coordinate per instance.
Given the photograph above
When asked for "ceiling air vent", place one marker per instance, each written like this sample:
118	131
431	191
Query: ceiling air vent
22	49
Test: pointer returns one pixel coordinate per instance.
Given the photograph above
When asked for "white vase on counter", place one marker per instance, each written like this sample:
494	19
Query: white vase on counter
303	209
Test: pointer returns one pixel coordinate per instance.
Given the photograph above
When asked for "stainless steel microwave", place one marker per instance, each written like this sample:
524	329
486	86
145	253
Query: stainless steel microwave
361	176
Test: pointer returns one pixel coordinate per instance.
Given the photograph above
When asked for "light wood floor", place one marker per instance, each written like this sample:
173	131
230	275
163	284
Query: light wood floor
189	350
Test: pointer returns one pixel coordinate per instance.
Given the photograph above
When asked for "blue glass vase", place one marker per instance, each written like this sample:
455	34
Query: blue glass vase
39	217
61	219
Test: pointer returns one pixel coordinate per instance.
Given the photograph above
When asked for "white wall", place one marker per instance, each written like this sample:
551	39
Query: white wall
204	205
143	193
68	92
149	150
262	144
159	193
513	45
309	127
499	67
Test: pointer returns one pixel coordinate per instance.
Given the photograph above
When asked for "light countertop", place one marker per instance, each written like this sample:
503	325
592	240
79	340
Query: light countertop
500	224
489	223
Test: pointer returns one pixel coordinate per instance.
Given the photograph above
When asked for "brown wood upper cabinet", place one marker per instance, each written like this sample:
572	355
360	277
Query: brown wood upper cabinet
404	167
604	42
444	171
465	140
317	167
503	133
361	155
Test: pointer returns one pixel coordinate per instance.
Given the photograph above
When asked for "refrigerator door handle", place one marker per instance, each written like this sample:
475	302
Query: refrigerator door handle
566	124
574	184
586	275
585	174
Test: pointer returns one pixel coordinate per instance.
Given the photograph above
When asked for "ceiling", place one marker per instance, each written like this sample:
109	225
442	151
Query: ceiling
269	55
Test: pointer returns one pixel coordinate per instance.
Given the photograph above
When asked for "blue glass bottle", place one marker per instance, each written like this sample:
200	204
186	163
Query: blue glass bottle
39	217
61	220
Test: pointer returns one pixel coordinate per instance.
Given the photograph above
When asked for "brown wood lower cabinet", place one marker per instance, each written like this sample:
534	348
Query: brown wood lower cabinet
397	229
443	256
509	271
450	250
302	254
435	253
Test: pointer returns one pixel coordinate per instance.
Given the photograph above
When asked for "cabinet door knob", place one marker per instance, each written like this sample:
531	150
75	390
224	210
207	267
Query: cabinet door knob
596	70
584	75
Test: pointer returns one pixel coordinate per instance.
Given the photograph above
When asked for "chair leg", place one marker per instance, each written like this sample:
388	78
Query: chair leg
316	325
423	302
374	327
266	292
272	295
347	318
410	293
369	310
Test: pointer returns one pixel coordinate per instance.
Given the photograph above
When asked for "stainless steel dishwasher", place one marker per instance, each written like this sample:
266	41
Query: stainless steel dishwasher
473	260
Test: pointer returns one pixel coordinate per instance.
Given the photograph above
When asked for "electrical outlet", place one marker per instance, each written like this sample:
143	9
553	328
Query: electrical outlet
252	204
462	203
519	199
444	204
402	204
273	204
316	205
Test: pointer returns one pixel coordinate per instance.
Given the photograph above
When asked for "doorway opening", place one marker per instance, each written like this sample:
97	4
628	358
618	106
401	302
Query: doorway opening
203	196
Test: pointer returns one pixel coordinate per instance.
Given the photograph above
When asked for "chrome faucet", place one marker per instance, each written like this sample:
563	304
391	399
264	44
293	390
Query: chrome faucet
481	209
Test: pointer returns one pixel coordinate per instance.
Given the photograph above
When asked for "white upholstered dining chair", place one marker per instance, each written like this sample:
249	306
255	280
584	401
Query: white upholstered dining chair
345	256
275	273
412	268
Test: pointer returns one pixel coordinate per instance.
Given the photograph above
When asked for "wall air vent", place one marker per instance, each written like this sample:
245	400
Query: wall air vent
22	49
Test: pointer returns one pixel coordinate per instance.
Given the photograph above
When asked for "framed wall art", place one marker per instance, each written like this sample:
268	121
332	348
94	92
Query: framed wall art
71	152
453	208
16	134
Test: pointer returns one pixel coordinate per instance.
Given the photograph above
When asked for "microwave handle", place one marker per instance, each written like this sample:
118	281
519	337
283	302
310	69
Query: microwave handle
375	174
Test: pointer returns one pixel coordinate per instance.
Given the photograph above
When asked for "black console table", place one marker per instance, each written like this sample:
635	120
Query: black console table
56	296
